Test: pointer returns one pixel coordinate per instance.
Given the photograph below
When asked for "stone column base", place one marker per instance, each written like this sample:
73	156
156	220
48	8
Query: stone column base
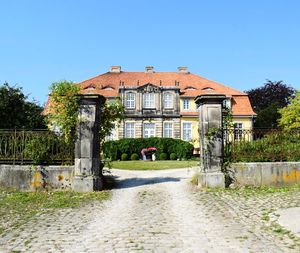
87	183
211	180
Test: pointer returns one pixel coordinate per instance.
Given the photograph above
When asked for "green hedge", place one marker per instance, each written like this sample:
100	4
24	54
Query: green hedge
114	149
275	147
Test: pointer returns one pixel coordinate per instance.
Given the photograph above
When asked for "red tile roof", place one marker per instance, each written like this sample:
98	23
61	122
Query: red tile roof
190	85
241	106
185	81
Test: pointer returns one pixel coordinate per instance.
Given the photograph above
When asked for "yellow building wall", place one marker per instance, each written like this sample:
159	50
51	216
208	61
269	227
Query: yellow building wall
247	121
193	106
195	129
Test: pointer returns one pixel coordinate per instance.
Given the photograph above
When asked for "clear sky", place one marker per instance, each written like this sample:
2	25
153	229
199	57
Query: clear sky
240	43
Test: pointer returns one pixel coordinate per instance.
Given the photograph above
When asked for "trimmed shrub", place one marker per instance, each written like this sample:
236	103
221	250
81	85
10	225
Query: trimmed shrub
134	157
124	157
114	149
173	156
163	156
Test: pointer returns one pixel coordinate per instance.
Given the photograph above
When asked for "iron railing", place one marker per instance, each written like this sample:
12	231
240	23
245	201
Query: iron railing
34	147
261	145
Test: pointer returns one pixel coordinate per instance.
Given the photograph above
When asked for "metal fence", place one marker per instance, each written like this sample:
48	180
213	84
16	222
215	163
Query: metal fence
261	145
34	147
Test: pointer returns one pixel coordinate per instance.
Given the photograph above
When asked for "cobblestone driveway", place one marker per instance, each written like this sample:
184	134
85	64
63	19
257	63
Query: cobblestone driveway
159	212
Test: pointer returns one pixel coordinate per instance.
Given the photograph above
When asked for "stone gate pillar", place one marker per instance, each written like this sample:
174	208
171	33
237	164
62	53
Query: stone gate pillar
211	140
88	174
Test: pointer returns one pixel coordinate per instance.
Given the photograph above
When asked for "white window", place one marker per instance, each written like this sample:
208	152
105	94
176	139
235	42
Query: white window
168	100
238	131
149	100
129	130
187	131
168	130
130	100
149	130
186	104
226	104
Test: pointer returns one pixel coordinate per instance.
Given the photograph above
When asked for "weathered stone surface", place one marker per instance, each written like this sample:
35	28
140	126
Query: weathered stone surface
23	177
211	140
87	148
266	174
211	180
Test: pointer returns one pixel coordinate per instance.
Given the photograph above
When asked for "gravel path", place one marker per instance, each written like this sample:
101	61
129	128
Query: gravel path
158	211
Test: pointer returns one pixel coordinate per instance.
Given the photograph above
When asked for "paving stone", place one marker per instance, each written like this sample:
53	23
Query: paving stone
160	212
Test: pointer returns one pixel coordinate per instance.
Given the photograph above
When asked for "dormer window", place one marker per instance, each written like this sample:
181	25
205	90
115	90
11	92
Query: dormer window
168	100
190	88
207	89
149	100
130	100
90	87
108	87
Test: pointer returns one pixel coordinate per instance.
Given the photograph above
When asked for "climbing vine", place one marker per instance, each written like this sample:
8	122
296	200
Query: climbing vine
62	113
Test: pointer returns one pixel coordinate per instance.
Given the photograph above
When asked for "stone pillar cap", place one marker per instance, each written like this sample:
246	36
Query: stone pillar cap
210	98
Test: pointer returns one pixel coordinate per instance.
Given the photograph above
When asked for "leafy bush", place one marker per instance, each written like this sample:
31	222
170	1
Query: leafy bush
134	157
38	149
163	156
114	149
124	157
273	147
48	148
173	156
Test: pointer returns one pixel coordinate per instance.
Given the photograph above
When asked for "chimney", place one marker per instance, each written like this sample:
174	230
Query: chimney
183	70
115	69
149	69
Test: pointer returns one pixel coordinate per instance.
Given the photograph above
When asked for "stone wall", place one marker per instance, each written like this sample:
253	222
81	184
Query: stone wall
266	174
30	178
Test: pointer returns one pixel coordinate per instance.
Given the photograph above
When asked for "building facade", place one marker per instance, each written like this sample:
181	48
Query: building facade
161	104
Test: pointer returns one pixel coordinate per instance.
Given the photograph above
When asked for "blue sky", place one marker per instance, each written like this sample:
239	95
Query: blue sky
239	43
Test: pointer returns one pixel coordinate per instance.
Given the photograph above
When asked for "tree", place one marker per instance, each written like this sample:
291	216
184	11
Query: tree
16	111
62	111
290	115
267	99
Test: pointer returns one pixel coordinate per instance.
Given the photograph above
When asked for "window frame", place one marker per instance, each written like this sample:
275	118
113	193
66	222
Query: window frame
149	100
130	103
170	130
238	131
168	103
144	130
184	130
132	130
188	104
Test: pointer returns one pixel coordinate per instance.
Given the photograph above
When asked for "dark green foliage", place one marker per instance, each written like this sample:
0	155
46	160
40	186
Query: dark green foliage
266	101
134	157
163	156
273	147
114	149
173	156
16	111
38	149
124	157
48	148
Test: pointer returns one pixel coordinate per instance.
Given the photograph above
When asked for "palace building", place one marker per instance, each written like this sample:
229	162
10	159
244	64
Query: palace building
161	104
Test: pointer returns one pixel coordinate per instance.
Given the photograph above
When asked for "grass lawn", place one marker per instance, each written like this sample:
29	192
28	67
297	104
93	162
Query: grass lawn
148	165
16	208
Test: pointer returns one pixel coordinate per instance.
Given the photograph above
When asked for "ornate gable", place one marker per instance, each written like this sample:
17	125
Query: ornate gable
148	88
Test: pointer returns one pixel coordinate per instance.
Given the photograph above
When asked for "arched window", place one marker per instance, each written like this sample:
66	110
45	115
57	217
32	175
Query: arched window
168	100
130	100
